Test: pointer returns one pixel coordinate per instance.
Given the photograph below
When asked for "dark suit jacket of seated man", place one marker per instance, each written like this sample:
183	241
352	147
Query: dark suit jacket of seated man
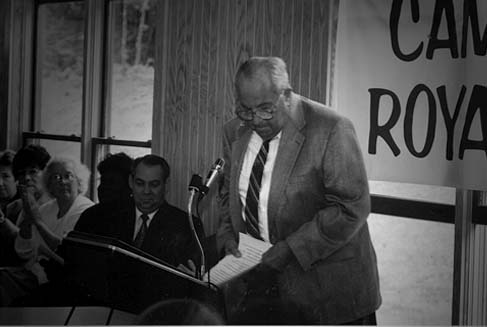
168	238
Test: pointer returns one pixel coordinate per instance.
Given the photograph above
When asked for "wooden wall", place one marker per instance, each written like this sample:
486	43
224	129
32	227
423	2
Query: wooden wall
203	42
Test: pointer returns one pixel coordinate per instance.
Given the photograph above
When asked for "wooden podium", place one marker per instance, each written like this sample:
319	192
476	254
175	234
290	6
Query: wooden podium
118	275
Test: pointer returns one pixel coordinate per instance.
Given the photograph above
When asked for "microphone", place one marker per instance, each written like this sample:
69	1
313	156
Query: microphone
212	174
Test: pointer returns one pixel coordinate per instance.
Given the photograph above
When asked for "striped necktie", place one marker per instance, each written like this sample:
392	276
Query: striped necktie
253	192
139	238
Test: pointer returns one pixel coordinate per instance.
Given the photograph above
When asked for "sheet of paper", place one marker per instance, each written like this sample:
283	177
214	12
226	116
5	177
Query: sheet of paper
230	266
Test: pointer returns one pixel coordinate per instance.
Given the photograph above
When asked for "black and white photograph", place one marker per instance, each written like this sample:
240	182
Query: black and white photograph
243	162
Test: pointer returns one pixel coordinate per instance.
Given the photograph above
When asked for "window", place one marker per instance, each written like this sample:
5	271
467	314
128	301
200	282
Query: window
59	71
121	117
130	69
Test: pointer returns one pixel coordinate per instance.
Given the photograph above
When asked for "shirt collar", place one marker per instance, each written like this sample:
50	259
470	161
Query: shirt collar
256	136
151	215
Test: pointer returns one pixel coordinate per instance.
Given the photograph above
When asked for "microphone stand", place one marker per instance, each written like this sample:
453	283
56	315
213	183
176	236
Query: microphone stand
196	186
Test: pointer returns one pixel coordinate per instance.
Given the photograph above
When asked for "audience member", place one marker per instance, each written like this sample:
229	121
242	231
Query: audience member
8	194
179	312
8	188
166	230
113	191
114	176
41	228
27	166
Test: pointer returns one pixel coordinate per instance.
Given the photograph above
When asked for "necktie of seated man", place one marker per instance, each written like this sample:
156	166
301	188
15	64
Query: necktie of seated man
253	192
139	238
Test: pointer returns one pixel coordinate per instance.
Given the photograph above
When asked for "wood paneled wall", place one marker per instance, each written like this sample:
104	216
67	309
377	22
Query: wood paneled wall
202	44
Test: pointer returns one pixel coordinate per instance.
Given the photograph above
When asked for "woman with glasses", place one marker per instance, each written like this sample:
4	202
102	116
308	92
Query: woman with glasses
41	228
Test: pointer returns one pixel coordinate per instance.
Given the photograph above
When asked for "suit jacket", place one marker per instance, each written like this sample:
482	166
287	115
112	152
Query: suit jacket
318	204
169	236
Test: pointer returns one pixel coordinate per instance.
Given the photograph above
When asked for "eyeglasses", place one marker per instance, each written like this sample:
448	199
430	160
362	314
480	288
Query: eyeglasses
65	177
264	111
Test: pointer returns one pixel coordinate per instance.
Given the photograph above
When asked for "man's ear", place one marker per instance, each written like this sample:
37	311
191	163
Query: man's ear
166	186
131	182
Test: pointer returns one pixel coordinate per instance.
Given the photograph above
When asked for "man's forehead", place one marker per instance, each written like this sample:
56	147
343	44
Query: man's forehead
252	90
148	173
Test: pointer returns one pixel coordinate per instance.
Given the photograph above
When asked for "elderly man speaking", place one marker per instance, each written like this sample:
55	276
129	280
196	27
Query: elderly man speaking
295	178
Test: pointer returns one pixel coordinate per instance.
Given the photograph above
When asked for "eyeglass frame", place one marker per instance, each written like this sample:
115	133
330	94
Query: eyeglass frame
59	179
256	111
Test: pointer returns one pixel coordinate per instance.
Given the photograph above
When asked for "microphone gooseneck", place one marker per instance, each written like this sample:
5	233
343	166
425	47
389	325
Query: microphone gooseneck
196	186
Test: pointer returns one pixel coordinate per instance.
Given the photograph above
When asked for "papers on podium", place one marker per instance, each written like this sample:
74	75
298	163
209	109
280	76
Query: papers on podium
230	266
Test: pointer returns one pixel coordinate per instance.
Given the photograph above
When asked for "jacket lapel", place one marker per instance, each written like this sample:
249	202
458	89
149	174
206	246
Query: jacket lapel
289	148
238	154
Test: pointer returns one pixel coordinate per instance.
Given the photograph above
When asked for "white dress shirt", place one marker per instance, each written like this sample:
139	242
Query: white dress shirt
253	149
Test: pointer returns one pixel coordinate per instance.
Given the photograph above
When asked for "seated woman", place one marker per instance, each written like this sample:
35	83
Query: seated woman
41	229
26	168
8	188
8	194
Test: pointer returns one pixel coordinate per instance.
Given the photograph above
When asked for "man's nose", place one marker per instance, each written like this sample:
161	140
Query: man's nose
146	189
256	120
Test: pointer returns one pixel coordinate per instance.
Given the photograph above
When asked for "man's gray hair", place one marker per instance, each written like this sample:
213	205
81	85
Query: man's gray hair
274	67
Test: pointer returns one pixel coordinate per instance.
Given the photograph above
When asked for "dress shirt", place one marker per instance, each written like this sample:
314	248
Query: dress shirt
253	149
138	221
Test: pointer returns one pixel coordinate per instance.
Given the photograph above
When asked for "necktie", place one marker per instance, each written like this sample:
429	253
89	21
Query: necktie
252	199
139	238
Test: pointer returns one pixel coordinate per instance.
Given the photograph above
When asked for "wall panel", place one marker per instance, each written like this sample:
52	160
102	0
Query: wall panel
206	41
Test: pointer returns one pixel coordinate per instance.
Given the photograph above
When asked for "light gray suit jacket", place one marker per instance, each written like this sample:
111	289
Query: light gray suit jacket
318	203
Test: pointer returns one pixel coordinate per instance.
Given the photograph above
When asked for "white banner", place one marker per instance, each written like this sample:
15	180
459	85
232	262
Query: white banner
412	76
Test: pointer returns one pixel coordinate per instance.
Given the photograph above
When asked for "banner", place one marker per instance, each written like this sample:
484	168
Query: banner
412	76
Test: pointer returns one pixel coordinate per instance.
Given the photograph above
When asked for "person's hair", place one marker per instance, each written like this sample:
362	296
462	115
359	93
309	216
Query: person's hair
152	160
273	67
7	158
31	155
119	163
179	312
81	172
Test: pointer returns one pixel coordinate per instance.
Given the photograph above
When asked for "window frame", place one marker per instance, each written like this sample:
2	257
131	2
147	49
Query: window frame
95	90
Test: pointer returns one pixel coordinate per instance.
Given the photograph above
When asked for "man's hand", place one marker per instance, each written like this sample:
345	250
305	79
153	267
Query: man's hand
190	269
231	247
278	256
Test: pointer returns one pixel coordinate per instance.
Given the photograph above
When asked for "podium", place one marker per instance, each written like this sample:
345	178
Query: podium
116	274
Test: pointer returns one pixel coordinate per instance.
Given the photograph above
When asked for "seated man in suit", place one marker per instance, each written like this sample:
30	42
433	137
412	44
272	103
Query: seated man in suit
146	220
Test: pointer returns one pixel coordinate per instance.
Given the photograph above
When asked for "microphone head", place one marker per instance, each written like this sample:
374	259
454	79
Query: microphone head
219	163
